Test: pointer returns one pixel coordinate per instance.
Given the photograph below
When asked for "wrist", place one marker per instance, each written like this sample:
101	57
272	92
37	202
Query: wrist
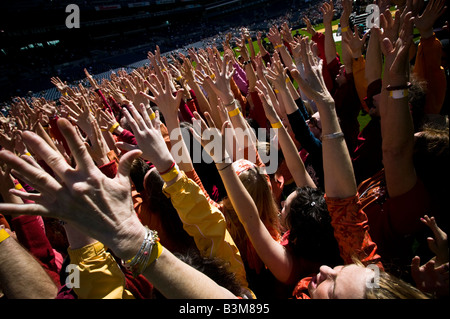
128	248
425	34
357	54
3	235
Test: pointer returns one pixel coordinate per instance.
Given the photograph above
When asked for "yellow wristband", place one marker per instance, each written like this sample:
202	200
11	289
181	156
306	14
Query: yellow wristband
3	235
276	91
152	116
156	252
179	78
399	94
344	29
18	186
277	125
278	46
113	127
27	153
170	175
235	112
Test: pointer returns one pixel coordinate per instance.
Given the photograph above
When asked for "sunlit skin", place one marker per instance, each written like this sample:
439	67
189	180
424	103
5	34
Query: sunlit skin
316	126
340	282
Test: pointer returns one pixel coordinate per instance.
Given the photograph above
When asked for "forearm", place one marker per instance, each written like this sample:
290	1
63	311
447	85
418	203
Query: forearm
293	160
397	124
337	166
177	280
374	59
271	252
21	276
178	150
330	45
202	101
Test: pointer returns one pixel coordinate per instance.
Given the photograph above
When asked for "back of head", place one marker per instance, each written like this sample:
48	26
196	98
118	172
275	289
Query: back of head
137	173
215	268
311	235
158	203
259	190
431	157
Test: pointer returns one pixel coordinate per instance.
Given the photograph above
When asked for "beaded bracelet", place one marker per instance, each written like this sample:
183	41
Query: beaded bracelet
277	125
146	254
235	112
3	235
113	127
247	62
332	136
231	103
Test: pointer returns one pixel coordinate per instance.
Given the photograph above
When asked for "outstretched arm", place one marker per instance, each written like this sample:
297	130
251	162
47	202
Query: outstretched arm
21	276
274	256
339	177
397	127
327	10
103	208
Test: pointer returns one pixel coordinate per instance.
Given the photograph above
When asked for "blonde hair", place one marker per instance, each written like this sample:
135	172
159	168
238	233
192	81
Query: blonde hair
390	287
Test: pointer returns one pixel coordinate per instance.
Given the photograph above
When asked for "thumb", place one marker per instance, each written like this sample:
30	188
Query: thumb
415	265
123	171
432	245
126	147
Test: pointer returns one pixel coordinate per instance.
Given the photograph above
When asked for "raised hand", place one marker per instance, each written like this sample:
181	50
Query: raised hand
430	278
222	76
328	11
312	83
148	136
355	42
163	96
97	205
80	112
438	244
427	19
211	138
396	53
309	28
91	80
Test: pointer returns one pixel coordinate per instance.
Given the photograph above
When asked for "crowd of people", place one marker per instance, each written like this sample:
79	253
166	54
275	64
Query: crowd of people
156	183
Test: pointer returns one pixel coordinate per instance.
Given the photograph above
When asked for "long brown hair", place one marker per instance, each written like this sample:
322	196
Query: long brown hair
260	191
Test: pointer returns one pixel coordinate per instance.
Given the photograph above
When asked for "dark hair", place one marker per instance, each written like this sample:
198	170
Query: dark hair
137	173
215	268
417	97
210	177
431	157
311	234
157	202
